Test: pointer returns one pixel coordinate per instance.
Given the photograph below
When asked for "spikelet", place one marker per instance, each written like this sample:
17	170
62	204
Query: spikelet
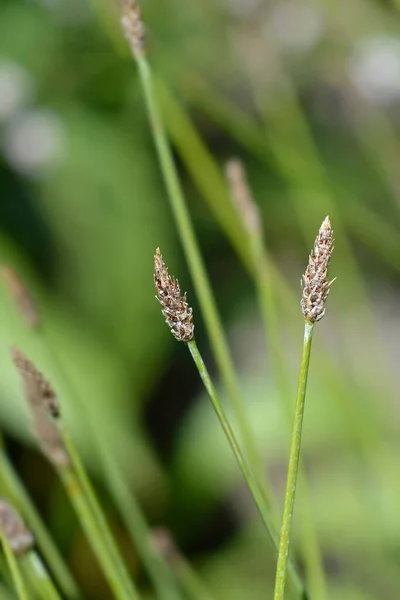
14	530
315	280
44	409
21	296
133	26
38	390
177	312
242	196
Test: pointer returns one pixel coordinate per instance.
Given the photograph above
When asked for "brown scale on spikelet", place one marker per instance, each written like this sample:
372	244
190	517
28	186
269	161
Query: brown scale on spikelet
14	530
21	297
44	408
133	26
242	196
177	312
315	283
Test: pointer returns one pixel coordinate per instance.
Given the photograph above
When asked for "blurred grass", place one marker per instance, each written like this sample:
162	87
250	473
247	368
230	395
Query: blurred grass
229	83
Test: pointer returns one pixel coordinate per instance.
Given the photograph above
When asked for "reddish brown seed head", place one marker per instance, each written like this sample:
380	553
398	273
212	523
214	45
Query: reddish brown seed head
316	286
177	312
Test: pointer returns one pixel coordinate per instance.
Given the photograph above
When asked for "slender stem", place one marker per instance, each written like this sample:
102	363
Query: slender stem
102	524
246	470
291	483
162	577
121	493
39	577
15	570
199	275
192	584
315	575
90	525
10	481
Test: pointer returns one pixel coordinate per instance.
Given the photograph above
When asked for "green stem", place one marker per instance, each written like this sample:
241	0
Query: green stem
315	575
14	569
198	272
122	495
246	470
39	577
139	531
191	583
291	483
90	525
11	483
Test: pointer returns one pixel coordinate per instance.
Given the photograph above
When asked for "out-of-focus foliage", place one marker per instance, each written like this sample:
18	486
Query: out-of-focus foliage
307	94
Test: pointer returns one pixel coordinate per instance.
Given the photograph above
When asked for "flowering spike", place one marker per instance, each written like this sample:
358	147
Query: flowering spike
177	312
19	538
242	196
21	296
133	26
44	410
316	286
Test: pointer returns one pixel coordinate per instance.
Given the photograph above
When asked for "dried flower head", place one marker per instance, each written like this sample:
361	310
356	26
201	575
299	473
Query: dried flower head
316	286
242	195
21	297
177	312
38	390
133	26
14	530
44	410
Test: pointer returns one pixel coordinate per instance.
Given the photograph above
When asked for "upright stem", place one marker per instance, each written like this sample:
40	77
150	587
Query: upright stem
91	527
246	470
98	514
198	272
291	483
15	570
128	506
10	481
39	577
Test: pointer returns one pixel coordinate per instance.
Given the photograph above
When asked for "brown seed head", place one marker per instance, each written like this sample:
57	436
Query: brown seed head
14	530
44	409
242	195
316	286
38	390
21	297
177	312
133	26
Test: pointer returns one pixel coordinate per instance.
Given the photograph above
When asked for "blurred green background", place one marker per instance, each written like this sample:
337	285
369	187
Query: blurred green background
307	94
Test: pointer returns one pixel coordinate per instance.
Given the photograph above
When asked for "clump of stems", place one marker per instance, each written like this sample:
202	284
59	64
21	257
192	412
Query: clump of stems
61	452
315	292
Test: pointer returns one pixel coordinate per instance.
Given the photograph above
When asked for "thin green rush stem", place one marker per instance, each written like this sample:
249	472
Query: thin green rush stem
15	490
191	583
139	531
15	570
263	278
246	470
108	544
123	497
39	577
83	508
198	271
293	468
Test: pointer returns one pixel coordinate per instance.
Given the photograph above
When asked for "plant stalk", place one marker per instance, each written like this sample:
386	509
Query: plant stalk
10	482
15	570
246	470
122	589
39	578
293	468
